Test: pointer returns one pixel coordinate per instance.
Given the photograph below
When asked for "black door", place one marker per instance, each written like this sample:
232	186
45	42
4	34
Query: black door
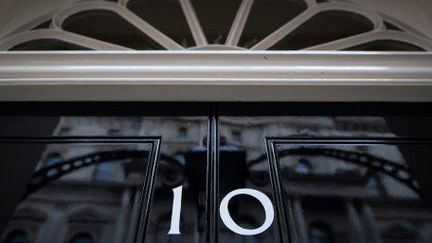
205	172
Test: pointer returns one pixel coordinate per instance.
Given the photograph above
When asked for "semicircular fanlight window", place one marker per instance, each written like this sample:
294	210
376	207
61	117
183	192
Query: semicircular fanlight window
218	25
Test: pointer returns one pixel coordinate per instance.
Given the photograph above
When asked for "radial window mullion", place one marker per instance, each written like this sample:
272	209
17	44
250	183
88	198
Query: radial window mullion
239	23
193	22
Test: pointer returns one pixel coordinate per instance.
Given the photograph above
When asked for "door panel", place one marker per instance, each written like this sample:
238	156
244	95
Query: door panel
215	178
89	188
103	179
339	179
352	190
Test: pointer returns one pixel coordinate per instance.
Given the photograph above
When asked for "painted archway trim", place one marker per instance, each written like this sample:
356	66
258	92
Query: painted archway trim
378	32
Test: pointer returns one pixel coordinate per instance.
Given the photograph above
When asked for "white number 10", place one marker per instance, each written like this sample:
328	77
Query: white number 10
224	212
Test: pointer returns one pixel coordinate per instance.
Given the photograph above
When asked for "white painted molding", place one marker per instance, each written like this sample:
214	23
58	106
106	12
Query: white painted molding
216	76
193	22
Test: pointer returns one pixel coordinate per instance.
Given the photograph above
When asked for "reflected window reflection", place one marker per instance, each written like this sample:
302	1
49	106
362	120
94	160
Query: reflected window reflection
62	131
320	233
400	232
82	237
104	172
236	135
52	159
374	183
183	133
90	186
17	236
303	167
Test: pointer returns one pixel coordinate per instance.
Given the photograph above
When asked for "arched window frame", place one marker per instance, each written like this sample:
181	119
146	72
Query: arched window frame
57	32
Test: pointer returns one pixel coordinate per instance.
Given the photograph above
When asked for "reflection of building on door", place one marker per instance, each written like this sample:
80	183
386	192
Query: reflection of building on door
332	200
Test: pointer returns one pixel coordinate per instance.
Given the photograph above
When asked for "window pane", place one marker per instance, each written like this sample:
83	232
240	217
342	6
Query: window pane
93	23
182	163
356	190
328	193
66	193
